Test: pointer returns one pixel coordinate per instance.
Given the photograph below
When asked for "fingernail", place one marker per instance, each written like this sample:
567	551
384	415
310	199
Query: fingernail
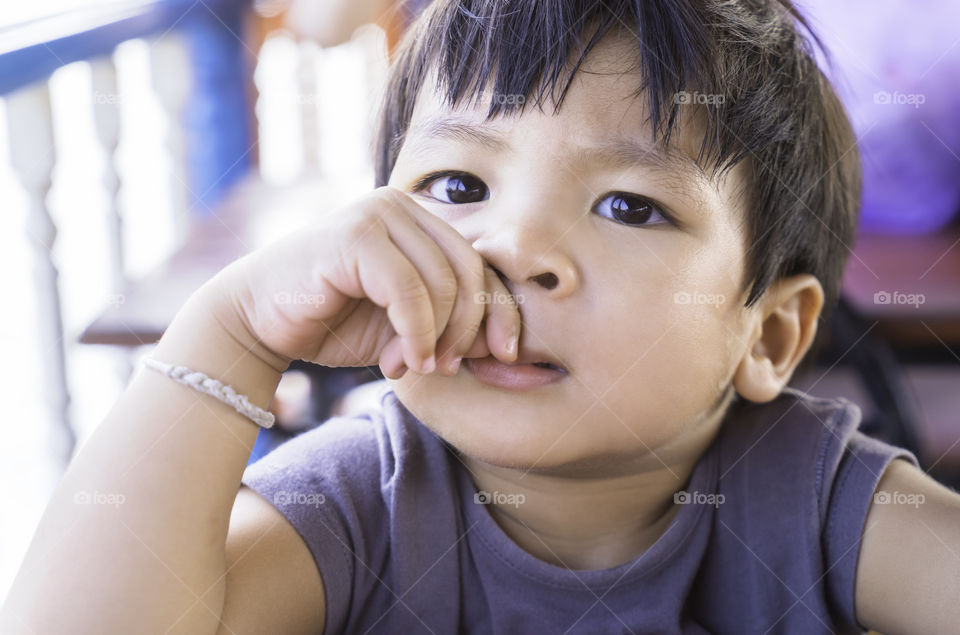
512	344
454	364
428	365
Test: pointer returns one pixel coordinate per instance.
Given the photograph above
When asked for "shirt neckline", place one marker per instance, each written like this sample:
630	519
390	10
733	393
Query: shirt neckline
483	529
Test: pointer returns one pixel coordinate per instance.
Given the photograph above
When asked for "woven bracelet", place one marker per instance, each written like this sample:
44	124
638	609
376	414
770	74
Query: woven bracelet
214	388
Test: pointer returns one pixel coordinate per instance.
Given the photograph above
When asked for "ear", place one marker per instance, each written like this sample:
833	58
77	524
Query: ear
784	329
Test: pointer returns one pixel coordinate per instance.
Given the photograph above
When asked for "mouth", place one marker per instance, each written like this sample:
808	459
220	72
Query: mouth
517	376
548	365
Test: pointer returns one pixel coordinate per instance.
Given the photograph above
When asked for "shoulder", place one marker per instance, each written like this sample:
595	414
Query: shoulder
799	468
811	449
362	448
791	434
335	485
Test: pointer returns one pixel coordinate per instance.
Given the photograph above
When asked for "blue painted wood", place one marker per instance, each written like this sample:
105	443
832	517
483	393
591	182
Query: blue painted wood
215	119
220	150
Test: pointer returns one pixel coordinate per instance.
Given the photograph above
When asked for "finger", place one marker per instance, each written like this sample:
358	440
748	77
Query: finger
391	359
390	280
465	319
479	348
502	317
429	259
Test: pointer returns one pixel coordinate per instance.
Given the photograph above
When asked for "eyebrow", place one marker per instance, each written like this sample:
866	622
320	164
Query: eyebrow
618	152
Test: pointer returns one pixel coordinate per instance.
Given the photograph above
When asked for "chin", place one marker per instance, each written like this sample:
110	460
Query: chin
497	432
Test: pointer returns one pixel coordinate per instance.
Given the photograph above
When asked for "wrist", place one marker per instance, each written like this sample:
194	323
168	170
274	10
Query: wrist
200	340
221	301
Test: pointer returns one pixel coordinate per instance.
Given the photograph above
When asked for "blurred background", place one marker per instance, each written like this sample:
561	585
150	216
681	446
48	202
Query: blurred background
144	144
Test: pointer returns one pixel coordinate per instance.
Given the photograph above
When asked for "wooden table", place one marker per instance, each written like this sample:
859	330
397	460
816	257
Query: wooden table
253	215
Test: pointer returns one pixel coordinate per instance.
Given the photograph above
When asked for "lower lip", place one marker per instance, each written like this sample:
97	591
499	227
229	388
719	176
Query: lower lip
520	377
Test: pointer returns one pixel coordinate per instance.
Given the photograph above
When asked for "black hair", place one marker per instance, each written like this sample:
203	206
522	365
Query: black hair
778	112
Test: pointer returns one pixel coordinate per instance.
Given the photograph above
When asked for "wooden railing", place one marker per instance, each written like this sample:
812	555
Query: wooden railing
196	51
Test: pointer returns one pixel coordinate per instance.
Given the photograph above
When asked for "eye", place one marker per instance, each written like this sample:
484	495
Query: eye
457	188
631	209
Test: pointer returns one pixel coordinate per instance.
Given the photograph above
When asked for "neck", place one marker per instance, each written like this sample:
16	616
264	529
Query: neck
585	518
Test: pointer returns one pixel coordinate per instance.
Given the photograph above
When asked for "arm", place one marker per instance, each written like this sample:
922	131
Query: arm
908	575
339	292
156	560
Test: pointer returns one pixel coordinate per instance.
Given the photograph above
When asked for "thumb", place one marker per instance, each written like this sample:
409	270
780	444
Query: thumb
391	359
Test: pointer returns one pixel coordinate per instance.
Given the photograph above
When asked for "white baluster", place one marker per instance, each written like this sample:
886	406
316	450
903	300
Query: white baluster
308	93
106	123
170	75
106	120
30	127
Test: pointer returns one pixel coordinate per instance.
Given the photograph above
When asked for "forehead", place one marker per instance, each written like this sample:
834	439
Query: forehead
602	122
603	117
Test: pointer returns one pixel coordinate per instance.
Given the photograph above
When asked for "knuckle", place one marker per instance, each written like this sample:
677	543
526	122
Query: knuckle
365	225
422	329
447	285
466	337
471	329
411	287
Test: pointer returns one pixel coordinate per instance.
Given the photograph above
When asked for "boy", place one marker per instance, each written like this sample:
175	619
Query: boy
609	233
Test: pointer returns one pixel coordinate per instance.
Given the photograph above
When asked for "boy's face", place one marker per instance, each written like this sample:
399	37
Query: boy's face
646	316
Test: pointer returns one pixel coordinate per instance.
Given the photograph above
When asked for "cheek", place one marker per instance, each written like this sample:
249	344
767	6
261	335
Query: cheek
666	352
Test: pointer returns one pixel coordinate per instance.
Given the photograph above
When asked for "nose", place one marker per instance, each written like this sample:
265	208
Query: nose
524	258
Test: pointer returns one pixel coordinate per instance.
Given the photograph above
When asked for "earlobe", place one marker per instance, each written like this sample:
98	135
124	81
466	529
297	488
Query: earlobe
787	324
755	379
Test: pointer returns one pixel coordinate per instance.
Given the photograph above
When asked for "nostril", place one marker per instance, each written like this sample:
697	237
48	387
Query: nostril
548	280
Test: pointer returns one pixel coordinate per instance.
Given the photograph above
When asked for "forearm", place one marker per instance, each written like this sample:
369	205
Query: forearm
160	473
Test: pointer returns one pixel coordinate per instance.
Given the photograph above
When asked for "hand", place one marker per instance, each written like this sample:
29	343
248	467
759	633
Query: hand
381	281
